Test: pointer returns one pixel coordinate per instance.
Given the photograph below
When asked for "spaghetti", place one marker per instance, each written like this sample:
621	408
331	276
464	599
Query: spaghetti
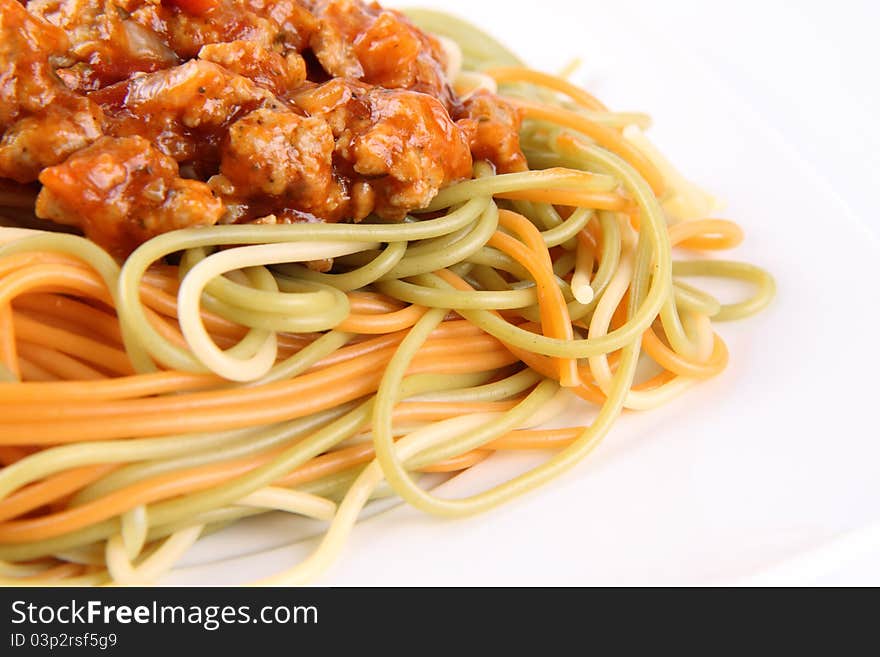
146	404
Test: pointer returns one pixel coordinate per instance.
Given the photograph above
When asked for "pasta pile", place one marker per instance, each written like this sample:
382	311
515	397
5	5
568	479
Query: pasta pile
212	376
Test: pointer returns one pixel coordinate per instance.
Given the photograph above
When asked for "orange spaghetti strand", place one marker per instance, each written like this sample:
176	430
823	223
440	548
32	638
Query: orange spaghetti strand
60	485
191	481
57	573
18	261
49	272
571	198
528	440
31	372
87	319
373	303
583	98
678	364
50	489
58	363
603	136
154	384
108	358
459	463
132	387
543	365
236	408
8	351
329	464
435	411
706	235
554	312
384	323
115	503
350	457
635	218
420	411
65	278
655	382
436	354
201	478
526	231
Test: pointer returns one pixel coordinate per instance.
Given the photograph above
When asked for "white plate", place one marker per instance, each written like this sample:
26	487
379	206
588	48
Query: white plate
767	474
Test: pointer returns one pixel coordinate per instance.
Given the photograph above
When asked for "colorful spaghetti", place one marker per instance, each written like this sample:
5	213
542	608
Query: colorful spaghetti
212	376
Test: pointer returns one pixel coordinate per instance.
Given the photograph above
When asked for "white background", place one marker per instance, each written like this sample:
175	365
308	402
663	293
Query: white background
768	474
809	69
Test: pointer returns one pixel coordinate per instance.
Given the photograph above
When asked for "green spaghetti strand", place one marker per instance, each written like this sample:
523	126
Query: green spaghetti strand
654	230
304	301
488	186
396	474
454	299
306	358
760	279
133	317
568	230
101	262
505	389
357	279
692	299
477	238
57	459
479	48
175	510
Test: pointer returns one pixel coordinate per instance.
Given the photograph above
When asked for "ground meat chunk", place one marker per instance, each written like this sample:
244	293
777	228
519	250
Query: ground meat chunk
122	192
105	42
184	111
492	127
397	148
41	120
285	25
278	73
197	94
27	83
279	154
48	137
366	42
295	23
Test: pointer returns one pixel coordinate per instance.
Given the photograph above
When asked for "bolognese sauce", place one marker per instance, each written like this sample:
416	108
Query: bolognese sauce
137	117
